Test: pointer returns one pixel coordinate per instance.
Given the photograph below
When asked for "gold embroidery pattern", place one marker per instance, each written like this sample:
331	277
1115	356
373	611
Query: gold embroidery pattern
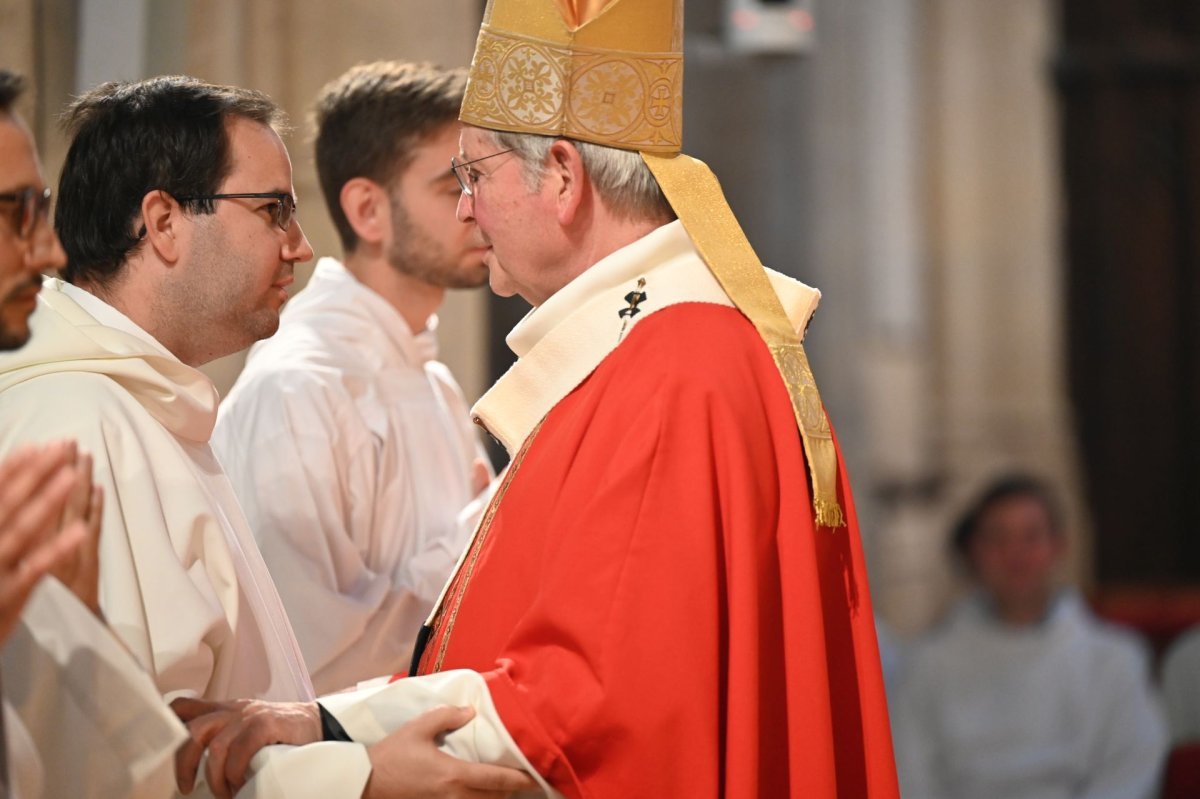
802	386
468	567
619	99
531	86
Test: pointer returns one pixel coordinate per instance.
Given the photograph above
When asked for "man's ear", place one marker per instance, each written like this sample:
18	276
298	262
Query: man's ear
564	169
367	208
162	219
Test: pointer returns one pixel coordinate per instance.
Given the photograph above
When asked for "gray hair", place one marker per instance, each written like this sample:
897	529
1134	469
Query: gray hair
621	177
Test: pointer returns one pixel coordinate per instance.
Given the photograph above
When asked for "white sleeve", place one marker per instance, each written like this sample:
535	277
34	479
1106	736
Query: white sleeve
1132	743
369	715
96	721
305	475
433	561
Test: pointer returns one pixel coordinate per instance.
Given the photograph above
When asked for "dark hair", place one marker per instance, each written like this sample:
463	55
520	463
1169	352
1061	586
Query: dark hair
369	119
12	86
129	139
1011	486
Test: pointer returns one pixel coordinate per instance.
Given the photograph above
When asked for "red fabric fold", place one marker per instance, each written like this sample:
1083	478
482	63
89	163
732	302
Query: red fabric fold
653	608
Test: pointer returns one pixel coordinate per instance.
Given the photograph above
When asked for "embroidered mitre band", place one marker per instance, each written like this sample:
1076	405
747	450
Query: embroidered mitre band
600	71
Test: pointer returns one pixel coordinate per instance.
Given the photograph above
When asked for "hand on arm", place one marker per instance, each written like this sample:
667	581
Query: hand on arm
233	732
408	764
35	483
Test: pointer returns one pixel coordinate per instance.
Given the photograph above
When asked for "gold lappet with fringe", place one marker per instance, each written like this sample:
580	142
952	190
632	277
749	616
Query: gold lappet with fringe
611	72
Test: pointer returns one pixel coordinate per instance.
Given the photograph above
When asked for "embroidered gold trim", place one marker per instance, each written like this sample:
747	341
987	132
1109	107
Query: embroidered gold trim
620	99
802	386
468	564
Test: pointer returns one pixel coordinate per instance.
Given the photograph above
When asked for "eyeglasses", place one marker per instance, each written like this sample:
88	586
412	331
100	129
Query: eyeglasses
282	211
467	177
33	206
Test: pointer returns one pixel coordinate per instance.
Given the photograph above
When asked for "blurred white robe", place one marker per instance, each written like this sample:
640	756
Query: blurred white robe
181	580
1181	687
351	450
1061	710
81	717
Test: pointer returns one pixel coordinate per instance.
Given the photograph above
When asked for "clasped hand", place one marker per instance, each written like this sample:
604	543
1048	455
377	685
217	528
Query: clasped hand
49	524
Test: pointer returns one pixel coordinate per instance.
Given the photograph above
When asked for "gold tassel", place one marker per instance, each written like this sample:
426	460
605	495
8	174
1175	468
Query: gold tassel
830	515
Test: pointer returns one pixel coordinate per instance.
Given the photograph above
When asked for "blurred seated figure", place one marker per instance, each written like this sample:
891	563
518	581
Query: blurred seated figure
1181	687
1021	692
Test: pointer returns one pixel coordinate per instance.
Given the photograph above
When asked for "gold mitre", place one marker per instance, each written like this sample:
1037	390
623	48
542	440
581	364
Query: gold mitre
603	71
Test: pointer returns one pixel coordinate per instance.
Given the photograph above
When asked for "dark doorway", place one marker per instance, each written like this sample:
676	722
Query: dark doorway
1128	81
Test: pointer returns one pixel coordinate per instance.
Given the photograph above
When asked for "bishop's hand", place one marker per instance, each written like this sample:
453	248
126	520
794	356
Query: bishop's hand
408	764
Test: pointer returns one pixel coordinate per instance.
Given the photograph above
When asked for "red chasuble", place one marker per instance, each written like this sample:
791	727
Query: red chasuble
652	607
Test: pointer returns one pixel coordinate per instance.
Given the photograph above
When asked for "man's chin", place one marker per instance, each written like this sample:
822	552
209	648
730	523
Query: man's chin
500	287
470	278
460	276
257	326
268	328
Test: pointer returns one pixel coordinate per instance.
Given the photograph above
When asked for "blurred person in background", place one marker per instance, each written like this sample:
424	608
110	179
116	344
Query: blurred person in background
348	443
1021	693
80	718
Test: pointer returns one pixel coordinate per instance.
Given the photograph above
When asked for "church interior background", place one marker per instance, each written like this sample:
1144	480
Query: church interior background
998	199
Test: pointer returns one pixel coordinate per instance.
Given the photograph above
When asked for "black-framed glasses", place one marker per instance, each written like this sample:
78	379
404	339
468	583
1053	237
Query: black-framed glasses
466	177
282	211
33	206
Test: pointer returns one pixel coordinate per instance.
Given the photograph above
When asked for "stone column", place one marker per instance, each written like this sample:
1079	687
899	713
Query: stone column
933	219
38	39
997	311
17	35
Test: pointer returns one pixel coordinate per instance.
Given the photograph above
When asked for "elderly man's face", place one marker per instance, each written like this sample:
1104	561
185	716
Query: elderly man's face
516	224
21	258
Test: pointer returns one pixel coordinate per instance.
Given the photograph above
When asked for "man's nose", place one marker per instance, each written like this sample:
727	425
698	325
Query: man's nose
45	252
297	249
465	211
